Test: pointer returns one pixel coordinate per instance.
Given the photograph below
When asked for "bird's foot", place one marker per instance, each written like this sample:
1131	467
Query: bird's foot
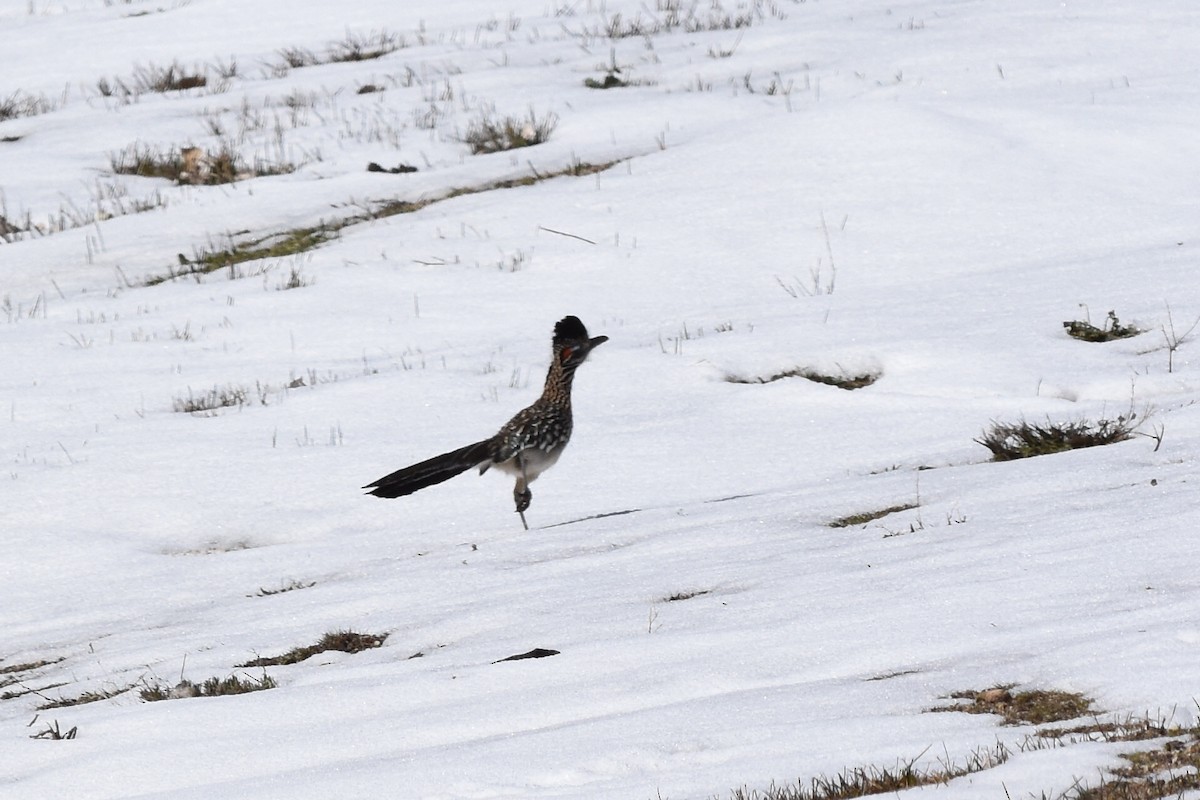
522	499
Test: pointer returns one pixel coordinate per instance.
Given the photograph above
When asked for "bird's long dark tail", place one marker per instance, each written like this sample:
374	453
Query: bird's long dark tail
431	472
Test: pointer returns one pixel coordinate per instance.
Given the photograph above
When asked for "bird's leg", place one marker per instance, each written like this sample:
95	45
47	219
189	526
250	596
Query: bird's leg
521	494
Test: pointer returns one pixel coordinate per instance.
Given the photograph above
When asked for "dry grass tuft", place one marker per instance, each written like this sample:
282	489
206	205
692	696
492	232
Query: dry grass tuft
365	47
192	166
213	687
53	732
490	134
83	699
159	79
282	245
677	596
207	403
21	104
28	666
1010	441
342	641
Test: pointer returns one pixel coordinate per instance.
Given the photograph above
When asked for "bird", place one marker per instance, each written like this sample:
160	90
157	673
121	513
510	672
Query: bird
527	445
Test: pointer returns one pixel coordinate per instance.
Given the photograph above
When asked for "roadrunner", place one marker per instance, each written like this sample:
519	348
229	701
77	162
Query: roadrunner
527	445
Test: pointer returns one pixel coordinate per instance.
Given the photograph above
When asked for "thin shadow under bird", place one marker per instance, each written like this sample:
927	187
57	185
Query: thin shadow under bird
527	445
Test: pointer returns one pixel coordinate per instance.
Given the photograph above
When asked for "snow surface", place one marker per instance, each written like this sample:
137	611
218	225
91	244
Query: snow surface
964	175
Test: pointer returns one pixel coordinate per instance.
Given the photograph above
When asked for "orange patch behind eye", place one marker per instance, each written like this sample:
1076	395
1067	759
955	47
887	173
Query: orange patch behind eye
566	353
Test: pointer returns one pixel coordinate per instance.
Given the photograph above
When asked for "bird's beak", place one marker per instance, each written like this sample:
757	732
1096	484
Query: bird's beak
596	341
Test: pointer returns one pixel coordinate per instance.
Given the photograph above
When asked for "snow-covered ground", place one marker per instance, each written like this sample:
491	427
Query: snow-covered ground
922	192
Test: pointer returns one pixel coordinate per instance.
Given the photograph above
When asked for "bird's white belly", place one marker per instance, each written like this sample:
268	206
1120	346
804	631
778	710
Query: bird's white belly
535	462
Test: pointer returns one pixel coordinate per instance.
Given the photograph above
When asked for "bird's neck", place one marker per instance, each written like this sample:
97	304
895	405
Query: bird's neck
558	384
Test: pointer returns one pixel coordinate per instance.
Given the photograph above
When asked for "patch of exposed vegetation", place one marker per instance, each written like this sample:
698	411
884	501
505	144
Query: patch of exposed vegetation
108	200
610	81
296	279
1031	707
213	687
613	75
24	690
1129	729
28	666
301	240
887	676
13	674
1169	770
399	169
342	641
154	79
354	47
94	696
675	15
872	780
22	104
297	58
285	586
282	245
1085	331
492	134
193	166
677	596
844	381
1172	770
207	403
365	47
1166	771
854	520
1010	441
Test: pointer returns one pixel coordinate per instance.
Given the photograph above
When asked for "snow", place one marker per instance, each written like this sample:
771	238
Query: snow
965	178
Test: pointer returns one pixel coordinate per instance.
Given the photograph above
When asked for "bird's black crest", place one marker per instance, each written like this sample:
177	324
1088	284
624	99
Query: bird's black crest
569	328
